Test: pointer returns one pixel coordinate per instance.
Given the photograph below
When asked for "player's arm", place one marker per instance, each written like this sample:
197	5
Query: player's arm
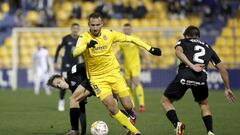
81	46
179	53
120	37
224	74
60	46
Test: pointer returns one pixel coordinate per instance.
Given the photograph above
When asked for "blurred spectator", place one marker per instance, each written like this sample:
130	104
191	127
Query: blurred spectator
119	10
42	20
29	5
36	4
51	18
12	19
173	9
140	11
129	11
105	9
225	10
88	0
76	11
46	18
99	7
45	4
19	19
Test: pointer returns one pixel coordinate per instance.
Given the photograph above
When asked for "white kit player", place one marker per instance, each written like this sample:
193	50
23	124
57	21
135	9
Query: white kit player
41	65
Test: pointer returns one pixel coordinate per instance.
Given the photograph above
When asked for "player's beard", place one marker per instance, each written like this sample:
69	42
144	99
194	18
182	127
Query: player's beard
95	32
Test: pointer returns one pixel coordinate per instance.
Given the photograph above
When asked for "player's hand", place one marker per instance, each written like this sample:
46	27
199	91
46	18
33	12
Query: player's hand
229	95
197	67
155	51
91	44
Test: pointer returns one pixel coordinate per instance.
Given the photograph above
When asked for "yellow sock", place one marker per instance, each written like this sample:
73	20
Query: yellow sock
121	118
131	93
140	94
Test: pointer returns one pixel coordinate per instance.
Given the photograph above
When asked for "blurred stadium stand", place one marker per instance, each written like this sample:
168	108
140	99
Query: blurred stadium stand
220	26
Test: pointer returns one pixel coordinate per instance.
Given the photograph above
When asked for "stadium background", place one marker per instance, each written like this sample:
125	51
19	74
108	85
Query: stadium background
25	23
158	22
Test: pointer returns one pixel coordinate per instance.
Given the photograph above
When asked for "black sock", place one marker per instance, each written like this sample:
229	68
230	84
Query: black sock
62	94
131	113
74	116
83	120
172	116
208	122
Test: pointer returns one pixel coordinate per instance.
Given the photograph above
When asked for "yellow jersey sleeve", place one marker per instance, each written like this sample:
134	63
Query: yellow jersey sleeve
81	46
120	37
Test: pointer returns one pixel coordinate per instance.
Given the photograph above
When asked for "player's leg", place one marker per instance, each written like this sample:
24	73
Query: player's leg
200	94
127	76
128	108
117	114
122	91
131	92
206	115
83	119
139	92
103	91
45	86
61	102
76	99
37	81
174	91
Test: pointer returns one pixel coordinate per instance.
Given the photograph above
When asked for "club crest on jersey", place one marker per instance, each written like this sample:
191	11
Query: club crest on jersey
104	37
73	83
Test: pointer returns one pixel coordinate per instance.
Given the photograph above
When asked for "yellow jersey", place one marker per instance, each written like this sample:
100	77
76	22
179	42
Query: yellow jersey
130	53
101	59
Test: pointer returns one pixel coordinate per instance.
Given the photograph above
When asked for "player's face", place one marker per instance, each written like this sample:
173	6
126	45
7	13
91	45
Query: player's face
95	25
127	30
60	83
75	29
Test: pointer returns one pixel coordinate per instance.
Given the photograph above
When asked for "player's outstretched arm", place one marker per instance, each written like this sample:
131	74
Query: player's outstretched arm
224	74
120	37
179	53
139	42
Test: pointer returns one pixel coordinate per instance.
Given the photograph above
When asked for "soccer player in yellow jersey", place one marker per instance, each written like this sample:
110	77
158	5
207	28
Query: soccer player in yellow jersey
103	68
132	68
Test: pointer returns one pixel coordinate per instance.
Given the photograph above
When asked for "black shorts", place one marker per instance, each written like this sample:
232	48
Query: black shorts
184	81
86	84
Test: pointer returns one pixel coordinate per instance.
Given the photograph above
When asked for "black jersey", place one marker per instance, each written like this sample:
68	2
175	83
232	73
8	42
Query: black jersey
197	52
68	43
77	76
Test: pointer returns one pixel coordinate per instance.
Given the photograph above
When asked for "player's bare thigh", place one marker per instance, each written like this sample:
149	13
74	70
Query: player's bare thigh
78	95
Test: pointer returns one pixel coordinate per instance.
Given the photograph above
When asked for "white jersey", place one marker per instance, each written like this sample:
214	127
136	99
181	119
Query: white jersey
40	60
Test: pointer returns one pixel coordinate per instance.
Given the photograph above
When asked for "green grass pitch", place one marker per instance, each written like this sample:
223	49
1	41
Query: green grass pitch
23	113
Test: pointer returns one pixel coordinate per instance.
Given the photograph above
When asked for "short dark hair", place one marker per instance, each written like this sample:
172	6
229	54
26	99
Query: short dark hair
50	80
95	15
192	31
75	24
127	24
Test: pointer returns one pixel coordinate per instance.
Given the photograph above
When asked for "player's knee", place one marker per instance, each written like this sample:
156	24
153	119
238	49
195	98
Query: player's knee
165	101
204	105
73	103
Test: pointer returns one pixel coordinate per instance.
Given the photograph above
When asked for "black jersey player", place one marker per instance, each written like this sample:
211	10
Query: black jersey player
68	44
77	82
192	73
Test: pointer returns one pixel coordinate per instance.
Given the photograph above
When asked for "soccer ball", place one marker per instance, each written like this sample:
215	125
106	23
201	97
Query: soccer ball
99	128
